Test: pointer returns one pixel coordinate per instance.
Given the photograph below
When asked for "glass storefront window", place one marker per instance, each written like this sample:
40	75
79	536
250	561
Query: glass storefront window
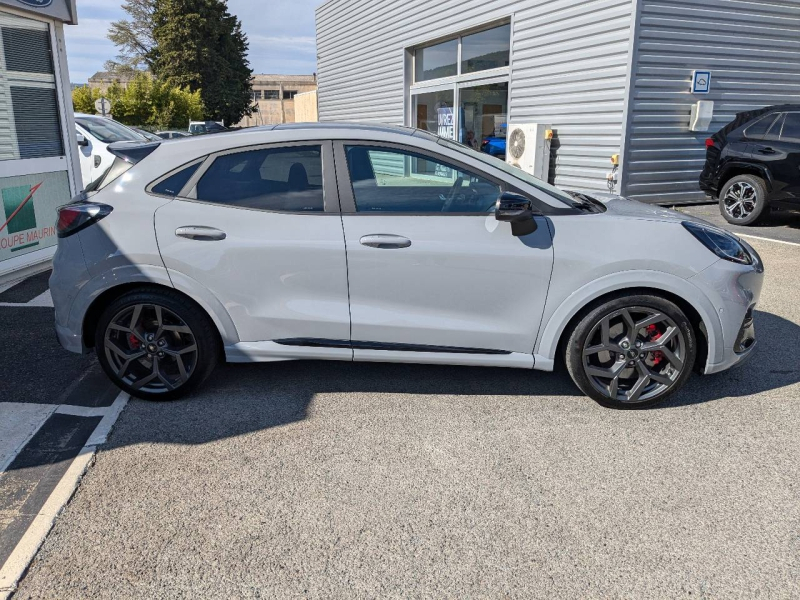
433	111
435	62
490	49
484	117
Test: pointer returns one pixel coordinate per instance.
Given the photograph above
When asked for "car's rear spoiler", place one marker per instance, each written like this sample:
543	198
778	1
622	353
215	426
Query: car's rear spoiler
132	152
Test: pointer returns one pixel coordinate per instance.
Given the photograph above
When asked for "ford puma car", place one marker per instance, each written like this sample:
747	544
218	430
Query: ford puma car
367	243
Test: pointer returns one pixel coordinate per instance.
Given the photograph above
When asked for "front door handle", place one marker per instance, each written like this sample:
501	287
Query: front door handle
767	151
385	240
200	233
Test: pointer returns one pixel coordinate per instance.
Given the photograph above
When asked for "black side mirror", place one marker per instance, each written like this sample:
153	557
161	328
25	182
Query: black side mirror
517	210
82	141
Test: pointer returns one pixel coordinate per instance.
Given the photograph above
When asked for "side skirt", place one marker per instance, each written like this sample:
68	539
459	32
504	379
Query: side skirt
272	351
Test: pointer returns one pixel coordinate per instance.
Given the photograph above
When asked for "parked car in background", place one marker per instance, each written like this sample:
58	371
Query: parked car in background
753	164
201	127
146	134
169	135
258	246
94	134
494	146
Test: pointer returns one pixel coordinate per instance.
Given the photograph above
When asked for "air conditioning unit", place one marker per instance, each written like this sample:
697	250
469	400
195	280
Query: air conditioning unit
528	148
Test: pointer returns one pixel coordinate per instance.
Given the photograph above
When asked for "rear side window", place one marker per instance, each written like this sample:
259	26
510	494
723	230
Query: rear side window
173	184
276	179
791	127
759	129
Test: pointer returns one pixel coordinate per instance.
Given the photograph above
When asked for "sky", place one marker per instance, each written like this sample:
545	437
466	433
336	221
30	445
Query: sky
280	32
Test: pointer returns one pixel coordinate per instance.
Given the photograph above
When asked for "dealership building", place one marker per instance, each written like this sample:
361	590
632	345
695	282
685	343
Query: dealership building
643	81
39	168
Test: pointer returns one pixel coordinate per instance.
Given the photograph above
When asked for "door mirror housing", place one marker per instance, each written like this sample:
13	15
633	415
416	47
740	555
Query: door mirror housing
82	141
517	210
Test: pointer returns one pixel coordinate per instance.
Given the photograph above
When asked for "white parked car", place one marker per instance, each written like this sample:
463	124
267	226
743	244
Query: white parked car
94	135
366	243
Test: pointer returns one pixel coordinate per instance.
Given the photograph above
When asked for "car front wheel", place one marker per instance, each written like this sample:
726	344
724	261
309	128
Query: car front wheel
632	351
156	345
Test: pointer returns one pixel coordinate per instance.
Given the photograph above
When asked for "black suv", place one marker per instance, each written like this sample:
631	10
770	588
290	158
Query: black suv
753	164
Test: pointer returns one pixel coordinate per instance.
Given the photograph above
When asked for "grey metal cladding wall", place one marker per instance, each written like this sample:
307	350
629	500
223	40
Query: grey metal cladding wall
753	52
569	65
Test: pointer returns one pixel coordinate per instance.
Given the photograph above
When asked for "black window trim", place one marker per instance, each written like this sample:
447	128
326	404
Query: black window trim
330	195
347	196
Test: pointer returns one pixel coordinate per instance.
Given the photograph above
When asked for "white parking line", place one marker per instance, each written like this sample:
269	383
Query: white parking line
29	544
765	239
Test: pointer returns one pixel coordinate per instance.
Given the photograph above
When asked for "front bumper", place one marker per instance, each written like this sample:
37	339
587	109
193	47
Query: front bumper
734	290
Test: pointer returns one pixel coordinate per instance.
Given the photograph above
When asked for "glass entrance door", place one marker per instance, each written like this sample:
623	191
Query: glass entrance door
483	117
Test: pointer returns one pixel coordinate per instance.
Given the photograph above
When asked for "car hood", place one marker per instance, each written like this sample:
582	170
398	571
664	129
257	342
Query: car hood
620	206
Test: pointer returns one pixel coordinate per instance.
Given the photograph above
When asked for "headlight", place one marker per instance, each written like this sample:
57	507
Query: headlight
720	242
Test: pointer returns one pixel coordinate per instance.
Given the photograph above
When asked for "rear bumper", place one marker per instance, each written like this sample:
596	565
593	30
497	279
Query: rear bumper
70	340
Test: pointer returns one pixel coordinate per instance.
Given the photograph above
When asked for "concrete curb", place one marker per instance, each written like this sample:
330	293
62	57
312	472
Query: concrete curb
16	565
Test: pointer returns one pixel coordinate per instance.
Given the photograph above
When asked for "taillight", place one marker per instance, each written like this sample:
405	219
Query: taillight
709	142
74	217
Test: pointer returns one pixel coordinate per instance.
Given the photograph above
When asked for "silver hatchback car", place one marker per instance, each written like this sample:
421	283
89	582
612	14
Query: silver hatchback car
371	243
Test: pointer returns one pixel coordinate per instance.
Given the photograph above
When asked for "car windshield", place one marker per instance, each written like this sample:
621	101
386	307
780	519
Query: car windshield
108	131
498	163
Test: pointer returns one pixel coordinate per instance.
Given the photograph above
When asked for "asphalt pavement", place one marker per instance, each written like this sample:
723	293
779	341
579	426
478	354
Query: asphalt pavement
337	480
783	225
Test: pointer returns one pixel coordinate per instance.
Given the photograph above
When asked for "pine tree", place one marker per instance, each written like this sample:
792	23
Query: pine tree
199	45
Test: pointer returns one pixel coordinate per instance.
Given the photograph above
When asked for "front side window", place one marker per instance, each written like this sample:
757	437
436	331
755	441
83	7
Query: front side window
276	179
396	181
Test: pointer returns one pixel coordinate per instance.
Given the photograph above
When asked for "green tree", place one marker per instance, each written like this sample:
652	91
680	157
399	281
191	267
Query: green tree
83	99
133	37
199	45
145	102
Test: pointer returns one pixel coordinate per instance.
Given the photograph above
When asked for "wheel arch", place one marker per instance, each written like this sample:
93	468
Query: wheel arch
98	294
732	170
686	296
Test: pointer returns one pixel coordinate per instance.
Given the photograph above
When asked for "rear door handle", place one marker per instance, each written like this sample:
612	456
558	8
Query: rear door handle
200	233
385	240
767	151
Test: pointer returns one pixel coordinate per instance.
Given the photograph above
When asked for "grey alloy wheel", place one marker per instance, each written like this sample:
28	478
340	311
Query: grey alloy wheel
740	200
634	354
150	348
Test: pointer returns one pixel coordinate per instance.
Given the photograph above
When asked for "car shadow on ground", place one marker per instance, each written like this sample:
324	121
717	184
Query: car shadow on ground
239	399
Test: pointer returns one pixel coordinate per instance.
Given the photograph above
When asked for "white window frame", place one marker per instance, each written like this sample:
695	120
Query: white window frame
460	80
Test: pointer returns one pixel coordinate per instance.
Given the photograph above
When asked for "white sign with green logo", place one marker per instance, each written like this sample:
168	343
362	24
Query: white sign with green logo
28	211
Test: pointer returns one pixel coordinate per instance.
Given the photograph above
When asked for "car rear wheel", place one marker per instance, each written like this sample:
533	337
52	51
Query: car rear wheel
632	351
156	345
743	200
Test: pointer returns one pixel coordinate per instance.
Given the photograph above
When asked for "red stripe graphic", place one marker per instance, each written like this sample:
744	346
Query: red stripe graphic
23	203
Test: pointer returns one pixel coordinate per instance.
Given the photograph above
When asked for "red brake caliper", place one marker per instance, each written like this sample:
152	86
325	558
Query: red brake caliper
133	341
654	334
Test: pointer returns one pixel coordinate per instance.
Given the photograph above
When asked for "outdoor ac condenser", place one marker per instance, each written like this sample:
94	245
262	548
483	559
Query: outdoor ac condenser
528	148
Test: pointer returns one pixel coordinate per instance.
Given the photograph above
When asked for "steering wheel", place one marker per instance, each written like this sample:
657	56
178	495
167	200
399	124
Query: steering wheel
453	194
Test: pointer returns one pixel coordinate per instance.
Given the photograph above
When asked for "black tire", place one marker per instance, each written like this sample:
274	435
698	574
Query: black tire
679	347
189	337
750	210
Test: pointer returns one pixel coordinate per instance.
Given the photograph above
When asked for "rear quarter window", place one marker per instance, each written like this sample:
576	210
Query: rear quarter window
172	185
757	130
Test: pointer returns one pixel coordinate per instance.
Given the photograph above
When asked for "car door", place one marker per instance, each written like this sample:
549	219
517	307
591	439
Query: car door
430	269
259	227
87	155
